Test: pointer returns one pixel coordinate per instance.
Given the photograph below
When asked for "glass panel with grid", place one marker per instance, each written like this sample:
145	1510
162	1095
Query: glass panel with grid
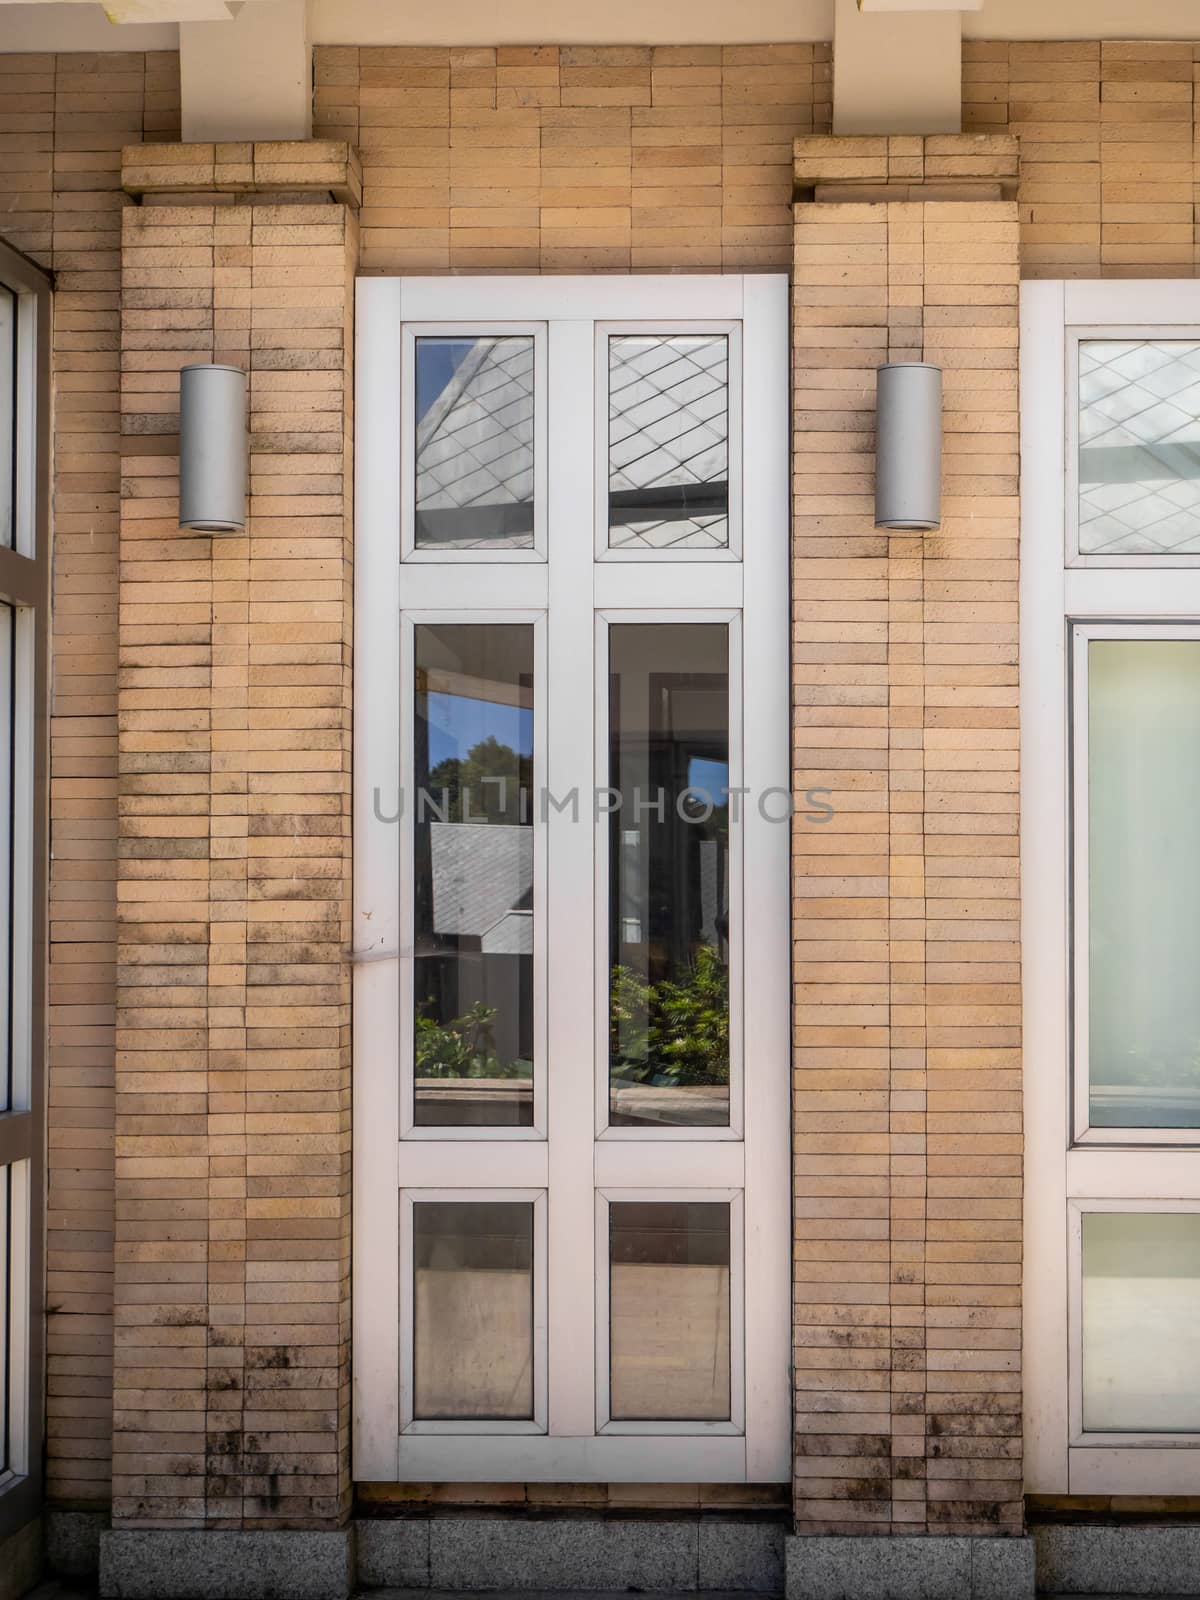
1139	447
668	441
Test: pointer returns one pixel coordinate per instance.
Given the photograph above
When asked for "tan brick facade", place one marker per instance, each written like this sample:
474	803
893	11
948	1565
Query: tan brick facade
907	1136
63	121
231	1403
231	1209
579	159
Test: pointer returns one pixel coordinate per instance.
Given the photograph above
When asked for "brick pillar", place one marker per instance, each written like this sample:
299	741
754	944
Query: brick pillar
231	1406
907	1069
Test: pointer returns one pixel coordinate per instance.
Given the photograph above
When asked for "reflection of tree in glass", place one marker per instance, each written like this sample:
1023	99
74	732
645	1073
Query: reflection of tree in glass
465	1047
672	1032
489	801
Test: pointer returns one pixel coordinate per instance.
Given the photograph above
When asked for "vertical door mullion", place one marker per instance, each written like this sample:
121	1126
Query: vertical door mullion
570	836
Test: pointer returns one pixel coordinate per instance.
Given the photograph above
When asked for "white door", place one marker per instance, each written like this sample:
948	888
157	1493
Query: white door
571	1035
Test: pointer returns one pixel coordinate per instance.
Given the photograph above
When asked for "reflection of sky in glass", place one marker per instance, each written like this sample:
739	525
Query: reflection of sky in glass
457	724
710	776
437	362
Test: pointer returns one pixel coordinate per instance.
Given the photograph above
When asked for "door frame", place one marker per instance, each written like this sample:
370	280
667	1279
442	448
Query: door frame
576	586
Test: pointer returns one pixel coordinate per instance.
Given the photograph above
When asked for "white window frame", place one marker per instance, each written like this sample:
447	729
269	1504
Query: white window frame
1065	1172
733	332
570	594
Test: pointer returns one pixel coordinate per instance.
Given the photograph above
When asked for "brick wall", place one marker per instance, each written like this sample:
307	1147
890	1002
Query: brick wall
1109	141
574	159
907	1075
231	1405
63	121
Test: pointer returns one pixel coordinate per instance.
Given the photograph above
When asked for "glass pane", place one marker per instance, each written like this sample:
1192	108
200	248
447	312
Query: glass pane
474	463
668	441
669	1311
1139	447
8	420
473	856
8	1312
1141	1322
473	1299
14	1091
669	928
1144	882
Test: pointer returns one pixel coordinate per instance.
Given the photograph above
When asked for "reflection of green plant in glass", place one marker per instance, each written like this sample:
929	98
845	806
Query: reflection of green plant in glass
465	1047
675	1031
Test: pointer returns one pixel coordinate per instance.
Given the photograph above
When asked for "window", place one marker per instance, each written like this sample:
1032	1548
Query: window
1110	758
24	569
571	1048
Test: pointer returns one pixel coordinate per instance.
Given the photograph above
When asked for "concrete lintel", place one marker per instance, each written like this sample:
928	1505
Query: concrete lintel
226	1564
909	1567
316	167
896	72
249	77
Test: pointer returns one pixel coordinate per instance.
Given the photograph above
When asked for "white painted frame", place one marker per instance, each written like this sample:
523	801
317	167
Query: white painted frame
1061	1171
445	1426
406	462
571	586
1075	337
409	622
733	333
736	1423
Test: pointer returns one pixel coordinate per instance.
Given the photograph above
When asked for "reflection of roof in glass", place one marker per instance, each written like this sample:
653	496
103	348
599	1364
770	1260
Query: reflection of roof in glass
482	883
668	431
475	443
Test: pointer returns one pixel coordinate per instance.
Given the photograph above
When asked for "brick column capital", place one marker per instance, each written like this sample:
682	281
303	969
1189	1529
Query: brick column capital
320	168
906	166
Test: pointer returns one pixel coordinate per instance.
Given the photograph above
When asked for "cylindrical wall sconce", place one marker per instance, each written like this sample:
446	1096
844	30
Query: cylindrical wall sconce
212	449
908	446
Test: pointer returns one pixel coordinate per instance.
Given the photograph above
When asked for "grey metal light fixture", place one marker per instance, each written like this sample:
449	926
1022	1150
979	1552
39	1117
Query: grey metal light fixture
908	446
212	449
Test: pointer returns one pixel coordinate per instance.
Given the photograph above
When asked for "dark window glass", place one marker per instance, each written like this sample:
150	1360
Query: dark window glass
473	858
669	874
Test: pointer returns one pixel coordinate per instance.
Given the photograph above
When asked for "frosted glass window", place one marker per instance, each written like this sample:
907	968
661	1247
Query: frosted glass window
1141	1322
473	1299
668	441
1139	447
474	460
669	1310
1143	855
